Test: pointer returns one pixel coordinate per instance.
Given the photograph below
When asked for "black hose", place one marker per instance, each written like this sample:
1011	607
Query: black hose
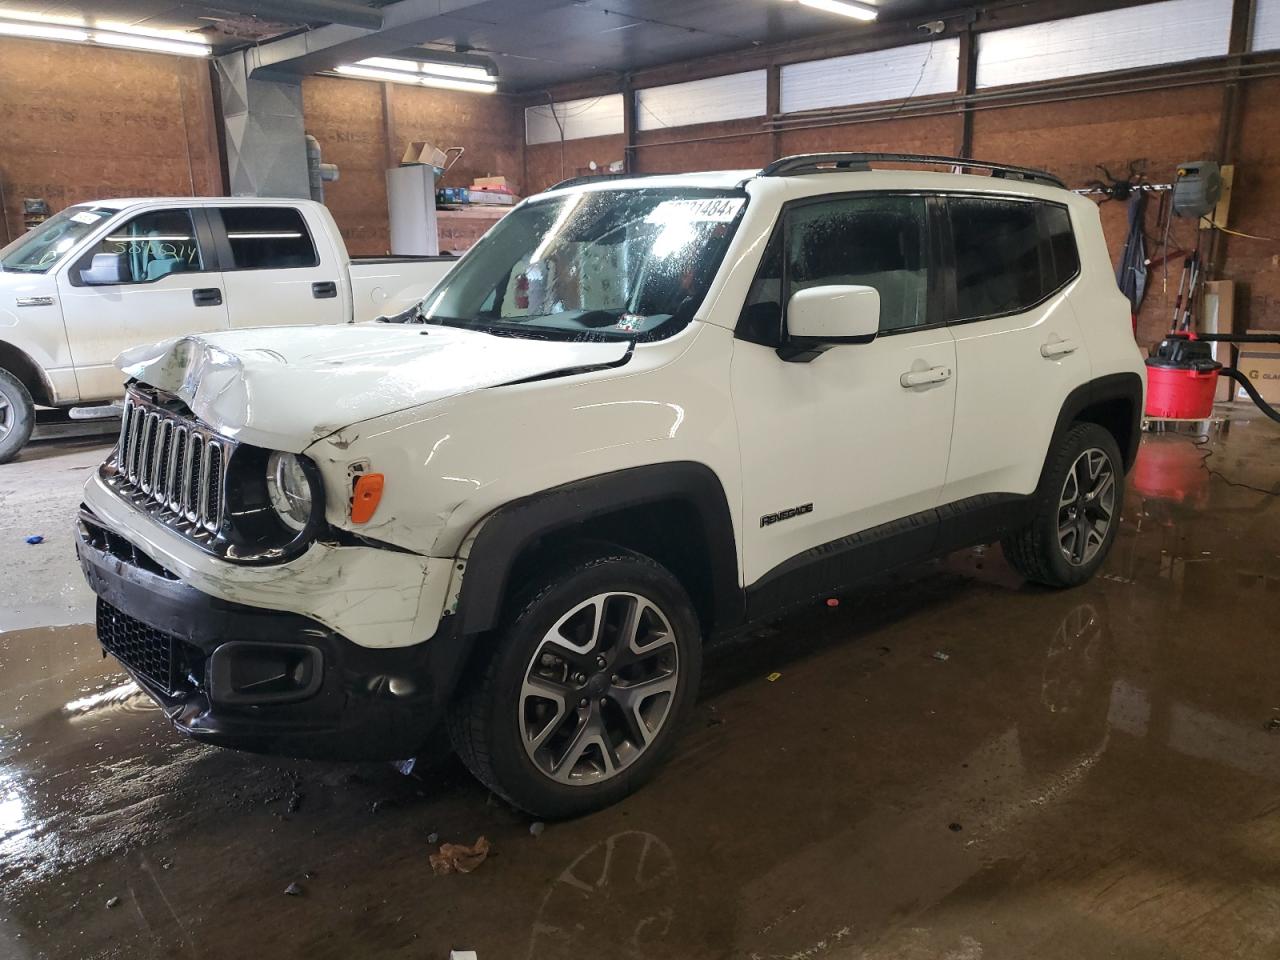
1249	388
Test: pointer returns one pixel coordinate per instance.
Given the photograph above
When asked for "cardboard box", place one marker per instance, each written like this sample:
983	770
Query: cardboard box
492	183
1219	316
1260	362
422	151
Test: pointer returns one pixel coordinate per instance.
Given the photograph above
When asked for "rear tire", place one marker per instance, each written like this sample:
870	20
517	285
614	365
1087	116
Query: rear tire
17	416
1076	522
583	694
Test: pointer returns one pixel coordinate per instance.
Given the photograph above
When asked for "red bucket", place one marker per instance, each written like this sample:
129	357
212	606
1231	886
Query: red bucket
1181	393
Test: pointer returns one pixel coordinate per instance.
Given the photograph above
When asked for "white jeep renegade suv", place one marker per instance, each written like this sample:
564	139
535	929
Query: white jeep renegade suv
639	414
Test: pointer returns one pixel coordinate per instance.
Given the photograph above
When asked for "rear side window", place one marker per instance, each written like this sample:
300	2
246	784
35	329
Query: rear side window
1009	254
267	238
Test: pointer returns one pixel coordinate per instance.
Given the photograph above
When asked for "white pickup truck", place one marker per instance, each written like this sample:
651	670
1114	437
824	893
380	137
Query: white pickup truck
107	275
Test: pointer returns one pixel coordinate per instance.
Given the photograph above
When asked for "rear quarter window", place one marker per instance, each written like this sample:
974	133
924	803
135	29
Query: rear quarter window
268	238
1010	255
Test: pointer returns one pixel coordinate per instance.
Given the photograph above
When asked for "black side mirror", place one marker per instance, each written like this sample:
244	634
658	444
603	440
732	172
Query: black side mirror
106	268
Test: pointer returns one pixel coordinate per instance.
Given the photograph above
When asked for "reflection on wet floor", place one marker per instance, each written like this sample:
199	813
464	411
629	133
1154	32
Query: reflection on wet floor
1087	773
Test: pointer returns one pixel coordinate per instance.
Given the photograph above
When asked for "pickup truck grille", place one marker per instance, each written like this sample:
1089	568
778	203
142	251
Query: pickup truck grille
172	465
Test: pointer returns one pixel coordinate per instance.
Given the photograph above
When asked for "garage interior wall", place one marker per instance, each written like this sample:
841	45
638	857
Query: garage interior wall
1068	135
83	122
86	122
364	128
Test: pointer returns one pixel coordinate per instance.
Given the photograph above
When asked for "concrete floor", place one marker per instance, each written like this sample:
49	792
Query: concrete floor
1090	773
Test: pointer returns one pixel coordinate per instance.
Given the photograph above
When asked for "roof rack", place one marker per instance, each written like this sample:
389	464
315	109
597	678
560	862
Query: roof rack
846	162
593	177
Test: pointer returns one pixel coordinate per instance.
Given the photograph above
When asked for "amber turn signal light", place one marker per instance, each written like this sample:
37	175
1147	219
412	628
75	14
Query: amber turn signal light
366	496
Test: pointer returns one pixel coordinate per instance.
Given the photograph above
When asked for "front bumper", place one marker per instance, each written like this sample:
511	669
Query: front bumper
372	596
263	680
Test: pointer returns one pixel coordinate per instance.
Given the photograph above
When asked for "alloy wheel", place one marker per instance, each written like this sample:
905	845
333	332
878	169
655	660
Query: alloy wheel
599	688
1086	506
7	415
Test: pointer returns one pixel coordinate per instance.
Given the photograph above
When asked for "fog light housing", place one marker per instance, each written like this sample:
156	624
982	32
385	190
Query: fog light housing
246	673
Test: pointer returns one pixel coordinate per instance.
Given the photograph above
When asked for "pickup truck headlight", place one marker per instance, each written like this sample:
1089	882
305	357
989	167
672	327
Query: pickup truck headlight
290	491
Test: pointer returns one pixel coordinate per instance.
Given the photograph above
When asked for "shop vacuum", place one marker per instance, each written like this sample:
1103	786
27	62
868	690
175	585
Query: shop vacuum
1182	376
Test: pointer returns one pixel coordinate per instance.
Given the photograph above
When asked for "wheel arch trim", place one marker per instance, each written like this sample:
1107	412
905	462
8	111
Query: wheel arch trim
1126	387
504	535
29	373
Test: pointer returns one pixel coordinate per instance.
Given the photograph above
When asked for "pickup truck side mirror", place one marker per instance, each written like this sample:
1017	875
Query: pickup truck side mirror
106	268
821	317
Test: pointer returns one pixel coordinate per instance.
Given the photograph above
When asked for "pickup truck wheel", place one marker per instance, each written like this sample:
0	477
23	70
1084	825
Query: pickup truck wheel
1077	521
583	695
17	416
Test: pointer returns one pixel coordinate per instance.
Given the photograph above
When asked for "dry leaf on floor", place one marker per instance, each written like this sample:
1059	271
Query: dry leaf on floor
458	857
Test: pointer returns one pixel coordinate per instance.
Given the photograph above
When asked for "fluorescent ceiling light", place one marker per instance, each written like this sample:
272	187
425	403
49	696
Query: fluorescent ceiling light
43	32
112	35
846	8
432	68
181	48
417	79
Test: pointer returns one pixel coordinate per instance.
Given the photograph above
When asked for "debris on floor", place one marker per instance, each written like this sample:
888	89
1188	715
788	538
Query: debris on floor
293	890
774	676
113	903
433	838
537	827
954	827
34	539
463	955
939	655
1272	725
458	857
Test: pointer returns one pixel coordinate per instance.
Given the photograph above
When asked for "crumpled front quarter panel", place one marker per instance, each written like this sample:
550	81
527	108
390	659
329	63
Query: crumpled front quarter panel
449	464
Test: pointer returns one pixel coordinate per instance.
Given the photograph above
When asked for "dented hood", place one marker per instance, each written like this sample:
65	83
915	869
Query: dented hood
286	387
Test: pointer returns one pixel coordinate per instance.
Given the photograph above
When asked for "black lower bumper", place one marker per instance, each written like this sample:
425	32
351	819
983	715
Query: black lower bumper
263	680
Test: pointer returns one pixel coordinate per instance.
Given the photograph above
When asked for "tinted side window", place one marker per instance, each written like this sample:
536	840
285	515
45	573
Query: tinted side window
272	238
1001	263
151	246
878	241
1056	223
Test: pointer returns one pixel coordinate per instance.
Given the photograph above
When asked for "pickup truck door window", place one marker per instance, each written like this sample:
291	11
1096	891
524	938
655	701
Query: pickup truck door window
1017	338
850	433
274	273
157	280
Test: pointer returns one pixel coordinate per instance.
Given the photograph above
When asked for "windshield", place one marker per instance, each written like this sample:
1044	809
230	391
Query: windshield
593	265
41	248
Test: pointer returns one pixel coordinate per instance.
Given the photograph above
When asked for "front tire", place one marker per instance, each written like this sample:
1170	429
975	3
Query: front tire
582	697
17	416
1078	518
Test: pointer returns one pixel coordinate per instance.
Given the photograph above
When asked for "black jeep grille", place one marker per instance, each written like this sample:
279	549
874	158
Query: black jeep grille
144	650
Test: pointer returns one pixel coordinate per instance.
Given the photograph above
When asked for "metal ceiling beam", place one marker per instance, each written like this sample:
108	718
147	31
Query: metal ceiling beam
308	11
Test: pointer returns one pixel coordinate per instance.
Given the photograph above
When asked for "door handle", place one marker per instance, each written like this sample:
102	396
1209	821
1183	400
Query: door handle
207	297
922	378
1057	348
324	290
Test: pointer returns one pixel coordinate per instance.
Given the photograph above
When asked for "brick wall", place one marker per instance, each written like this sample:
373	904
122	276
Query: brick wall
82	123
348	118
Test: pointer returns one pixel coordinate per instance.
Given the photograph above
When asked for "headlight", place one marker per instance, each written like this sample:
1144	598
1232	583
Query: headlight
289	490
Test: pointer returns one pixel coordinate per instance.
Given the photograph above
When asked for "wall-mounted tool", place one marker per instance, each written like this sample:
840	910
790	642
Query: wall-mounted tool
1197	189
